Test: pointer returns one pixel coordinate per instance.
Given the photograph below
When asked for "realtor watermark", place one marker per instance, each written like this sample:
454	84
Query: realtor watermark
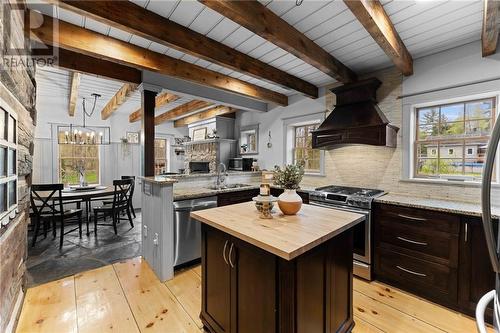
28	36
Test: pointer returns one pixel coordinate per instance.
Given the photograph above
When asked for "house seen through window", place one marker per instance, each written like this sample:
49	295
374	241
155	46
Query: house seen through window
302	148
451	139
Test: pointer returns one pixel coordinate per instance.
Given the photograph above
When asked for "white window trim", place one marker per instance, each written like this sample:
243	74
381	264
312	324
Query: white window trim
10	211
409	173
289	125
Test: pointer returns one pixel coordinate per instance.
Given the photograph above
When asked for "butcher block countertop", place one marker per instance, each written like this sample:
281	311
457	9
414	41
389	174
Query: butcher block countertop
284	236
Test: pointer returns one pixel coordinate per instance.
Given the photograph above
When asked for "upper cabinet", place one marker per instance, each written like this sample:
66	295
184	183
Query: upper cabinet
249	140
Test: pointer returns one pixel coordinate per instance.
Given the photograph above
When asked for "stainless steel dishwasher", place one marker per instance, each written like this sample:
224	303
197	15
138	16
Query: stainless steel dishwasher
187	232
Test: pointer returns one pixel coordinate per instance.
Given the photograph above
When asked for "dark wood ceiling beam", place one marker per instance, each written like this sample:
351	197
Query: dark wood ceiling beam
81	63
371	14
136	20
207	114
262	21
181	110
160	100
90	43
489	34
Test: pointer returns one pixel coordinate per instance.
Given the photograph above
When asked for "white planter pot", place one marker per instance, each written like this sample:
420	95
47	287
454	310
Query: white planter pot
289	202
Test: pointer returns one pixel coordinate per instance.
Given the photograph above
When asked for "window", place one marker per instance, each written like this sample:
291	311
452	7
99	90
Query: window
8	165
451	139
160	156
302	148
72	157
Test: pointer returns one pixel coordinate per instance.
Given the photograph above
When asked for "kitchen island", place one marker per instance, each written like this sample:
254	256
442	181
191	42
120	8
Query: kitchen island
289	274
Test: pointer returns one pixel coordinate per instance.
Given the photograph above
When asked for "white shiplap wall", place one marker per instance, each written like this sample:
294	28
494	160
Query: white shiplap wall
426	27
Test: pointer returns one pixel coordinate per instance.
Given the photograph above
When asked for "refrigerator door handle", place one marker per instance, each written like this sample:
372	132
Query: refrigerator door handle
481	309
486	197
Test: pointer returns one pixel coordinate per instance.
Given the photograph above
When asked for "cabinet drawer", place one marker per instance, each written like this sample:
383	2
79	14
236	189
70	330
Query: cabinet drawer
231	198
425	220
424	278
435	246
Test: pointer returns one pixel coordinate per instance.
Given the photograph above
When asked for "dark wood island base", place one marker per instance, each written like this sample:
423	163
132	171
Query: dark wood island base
246	289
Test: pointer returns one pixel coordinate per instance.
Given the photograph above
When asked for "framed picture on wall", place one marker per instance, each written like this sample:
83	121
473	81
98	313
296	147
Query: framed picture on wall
200	134
133	137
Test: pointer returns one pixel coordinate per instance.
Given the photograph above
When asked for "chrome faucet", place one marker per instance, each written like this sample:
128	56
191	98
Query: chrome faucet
221	179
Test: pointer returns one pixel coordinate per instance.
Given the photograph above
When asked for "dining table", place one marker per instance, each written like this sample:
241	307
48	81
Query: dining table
78	196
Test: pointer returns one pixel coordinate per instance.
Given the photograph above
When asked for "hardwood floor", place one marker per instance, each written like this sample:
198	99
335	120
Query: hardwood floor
127	297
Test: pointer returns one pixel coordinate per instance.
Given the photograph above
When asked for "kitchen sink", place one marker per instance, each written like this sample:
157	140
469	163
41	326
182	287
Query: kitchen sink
228	186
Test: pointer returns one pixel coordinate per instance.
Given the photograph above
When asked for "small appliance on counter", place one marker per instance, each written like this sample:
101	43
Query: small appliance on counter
241	164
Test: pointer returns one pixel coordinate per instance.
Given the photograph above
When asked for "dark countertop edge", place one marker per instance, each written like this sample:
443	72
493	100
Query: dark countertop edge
214	174
440	205
210	192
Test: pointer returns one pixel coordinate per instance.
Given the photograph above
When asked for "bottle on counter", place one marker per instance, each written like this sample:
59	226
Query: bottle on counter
265	190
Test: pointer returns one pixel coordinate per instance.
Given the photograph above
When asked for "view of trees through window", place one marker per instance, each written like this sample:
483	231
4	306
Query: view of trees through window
72	156
160	156
302	148
451	139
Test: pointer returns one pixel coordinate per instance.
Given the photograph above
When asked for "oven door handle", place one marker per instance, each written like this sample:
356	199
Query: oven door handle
352	210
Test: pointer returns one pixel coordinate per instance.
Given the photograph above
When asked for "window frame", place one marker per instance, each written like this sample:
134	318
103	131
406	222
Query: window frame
294	145
59	166
412	175
10	210
289	124
166	159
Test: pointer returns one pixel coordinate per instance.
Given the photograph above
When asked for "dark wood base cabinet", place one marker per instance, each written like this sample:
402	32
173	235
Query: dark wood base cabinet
435	255
248	290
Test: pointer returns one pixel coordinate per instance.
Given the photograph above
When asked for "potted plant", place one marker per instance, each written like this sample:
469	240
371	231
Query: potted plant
289	179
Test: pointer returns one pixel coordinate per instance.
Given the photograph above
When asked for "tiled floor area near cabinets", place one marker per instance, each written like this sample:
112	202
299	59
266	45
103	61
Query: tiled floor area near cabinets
127	297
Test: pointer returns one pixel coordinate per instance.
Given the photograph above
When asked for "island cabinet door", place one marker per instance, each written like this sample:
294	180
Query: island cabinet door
253	281
216	279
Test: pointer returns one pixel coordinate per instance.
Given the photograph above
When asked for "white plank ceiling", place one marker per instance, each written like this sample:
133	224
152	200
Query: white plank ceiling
426	27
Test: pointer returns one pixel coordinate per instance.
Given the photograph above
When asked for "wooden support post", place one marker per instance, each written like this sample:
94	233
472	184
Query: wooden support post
148	102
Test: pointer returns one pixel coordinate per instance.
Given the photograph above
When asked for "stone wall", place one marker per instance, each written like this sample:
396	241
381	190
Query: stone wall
202	152
17	90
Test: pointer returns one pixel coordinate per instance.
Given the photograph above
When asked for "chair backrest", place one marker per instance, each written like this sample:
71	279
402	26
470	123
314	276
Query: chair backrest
45	198
133	184
122	192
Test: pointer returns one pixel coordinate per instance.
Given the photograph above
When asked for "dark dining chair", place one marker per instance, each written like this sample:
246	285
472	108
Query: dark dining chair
132	210
47	206
120	203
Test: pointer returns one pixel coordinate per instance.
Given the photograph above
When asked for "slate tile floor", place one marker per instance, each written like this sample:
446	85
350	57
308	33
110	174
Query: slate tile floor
46	262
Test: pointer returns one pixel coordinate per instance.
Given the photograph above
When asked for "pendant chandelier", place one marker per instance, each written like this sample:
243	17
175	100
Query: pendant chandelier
82	134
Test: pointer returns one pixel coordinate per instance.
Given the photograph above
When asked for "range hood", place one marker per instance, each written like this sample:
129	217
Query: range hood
356	119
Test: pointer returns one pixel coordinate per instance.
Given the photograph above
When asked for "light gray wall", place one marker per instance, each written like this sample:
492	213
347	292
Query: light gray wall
382	167
116	159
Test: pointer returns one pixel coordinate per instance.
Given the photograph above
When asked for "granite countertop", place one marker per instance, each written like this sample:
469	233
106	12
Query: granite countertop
457	207
286	236
159	180
214	174
190	192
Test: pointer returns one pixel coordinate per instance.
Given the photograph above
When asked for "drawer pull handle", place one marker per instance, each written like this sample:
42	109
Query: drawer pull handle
420	219
231	255
411	272
224	253
411	241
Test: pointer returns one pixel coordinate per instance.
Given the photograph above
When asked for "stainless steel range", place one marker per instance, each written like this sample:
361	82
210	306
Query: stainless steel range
357	200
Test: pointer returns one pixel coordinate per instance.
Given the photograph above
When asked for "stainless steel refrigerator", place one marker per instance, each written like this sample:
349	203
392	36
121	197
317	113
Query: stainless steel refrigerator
491	237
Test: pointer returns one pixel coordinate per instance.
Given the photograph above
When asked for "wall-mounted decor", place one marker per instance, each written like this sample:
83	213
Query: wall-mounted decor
200	134
249	140
133	137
